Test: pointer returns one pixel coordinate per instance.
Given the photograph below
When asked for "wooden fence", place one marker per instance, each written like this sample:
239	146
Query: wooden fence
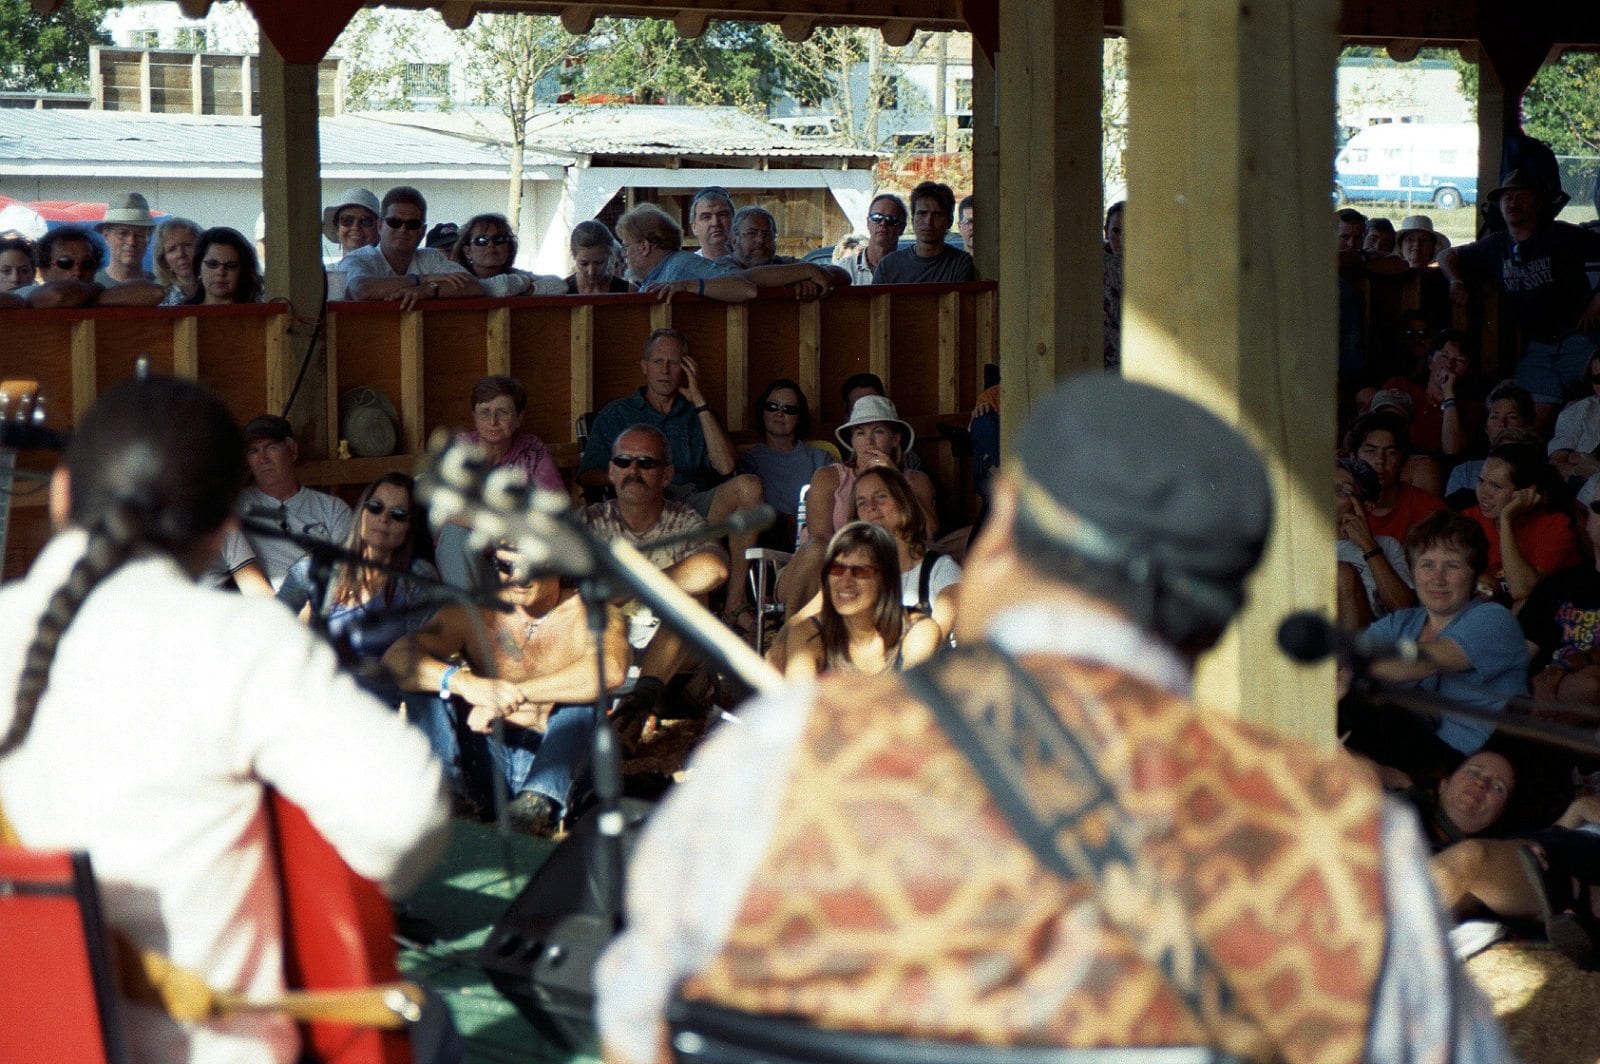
928	342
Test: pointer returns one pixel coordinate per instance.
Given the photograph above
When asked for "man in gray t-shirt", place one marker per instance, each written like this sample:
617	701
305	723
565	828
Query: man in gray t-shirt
271	452
930	260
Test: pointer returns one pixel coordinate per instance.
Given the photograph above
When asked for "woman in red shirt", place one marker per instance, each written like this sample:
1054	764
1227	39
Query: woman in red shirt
1528	538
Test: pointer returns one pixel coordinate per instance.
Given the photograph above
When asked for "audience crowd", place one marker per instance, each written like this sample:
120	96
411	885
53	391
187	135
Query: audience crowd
1467	523
1466	507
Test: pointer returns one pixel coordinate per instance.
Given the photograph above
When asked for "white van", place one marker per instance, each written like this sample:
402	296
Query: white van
1412	163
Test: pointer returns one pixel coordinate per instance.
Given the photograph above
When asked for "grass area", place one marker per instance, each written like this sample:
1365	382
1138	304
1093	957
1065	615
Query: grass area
479	876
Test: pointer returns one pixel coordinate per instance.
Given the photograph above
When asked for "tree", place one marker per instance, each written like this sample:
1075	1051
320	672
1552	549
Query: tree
1562	106
512	55
647	60
50	53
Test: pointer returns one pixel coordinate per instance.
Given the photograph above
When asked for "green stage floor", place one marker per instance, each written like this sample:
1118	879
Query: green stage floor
464	896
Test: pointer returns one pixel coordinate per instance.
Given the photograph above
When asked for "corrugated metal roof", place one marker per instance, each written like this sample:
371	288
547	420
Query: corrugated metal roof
632	129
107	138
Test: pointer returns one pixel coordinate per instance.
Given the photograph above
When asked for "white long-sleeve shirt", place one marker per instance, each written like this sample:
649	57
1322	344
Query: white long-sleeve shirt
169	706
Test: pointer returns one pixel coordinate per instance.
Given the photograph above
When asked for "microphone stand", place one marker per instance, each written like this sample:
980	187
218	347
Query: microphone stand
1432	706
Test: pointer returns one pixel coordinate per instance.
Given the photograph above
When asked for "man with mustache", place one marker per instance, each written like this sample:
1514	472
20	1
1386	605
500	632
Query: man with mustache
1538	265
641	513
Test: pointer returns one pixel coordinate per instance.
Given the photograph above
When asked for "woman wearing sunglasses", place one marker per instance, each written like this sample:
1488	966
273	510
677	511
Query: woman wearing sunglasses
862	627
487	247
367	609
783	460
227	268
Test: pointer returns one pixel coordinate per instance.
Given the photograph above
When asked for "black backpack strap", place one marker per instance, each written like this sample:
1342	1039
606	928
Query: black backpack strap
1006	729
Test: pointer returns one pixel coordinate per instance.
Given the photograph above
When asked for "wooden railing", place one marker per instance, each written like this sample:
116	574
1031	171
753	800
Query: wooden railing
928	342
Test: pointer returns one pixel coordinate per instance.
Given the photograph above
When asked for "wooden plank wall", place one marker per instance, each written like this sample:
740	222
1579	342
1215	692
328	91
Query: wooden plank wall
929	343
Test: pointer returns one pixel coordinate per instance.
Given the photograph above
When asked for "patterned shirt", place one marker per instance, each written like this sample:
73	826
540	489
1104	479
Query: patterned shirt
709	836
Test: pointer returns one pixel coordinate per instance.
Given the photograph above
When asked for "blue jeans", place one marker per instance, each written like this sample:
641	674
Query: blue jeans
1547	369
545	762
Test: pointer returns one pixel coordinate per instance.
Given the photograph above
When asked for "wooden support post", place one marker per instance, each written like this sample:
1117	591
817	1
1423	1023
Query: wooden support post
985	165
498	332
878	308
736	374
412	432
949	350
84	386
581	380
292	195
985	337
1050	317
808	369
1248	333
279	369
145	95
186	347
197	85
660	316
331	399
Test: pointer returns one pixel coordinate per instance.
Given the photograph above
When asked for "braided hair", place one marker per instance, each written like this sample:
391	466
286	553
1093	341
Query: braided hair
156	464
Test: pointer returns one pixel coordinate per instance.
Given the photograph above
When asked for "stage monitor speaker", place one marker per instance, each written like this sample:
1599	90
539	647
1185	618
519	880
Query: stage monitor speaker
541	953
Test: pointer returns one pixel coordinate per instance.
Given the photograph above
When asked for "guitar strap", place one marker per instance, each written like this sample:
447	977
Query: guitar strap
1007	730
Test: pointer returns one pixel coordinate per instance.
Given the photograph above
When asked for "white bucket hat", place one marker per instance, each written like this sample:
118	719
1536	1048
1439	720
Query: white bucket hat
871	408
350	197
129	208
1421	223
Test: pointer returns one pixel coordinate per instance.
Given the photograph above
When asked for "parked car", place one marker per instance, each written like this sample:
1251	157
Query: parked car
1410	162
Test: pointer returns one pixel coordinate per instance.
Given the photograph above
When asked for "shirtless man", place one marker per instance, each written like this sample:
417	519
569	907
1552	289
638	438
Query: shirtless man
534	668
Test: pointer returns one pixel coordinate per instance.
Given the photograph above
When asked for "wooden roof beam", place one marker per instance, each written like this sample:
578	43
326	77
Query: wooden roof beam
458	14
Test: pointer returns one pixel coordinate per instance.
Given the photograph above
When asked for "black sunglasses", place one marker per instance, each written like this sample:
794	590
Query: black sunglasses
375	507
357	221
886	219
411	224
485	241
779	408
643	461
66	263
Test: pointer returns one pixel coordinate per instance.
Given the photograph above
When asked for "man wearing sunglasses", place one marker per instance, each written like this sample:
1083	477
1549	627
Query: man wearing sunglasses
398	268
702	457
886	220
640	469
930	260
68	260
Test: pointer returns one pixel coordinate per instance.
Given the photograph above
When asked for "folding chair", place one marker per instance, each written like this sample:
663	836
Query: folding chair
58	997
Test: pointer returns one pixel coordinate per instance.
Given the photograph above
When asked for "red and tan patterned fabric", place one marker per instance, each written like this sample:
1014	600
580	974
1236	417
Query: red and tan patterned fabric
895	897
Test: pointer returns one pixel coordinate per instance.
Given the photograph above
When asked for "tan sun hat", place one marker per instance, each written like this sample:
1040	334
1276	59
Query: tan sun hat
129	208
1421	223
870	408
350	197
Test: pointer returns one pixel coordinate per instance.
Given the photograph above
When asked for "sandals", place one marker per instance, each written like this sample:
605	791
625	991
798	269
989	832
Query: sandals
1566	932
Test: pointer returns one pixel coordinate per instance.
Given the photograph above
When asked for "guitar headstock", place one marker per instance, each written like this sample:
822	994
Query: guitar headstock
459	484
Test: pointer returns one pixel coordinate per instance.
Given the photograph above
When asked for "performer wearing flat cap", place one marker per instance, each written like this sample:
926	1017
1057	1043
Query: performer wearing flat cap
1037	839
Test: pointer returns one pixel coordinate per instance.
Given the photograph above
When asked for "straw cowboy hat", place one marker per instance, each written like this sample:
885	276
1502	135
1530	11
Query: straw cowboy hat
130	208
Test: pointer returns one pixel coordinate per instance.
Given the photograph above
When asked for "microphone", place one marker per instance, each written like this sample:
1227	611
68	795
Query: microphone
26	436
1308	637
